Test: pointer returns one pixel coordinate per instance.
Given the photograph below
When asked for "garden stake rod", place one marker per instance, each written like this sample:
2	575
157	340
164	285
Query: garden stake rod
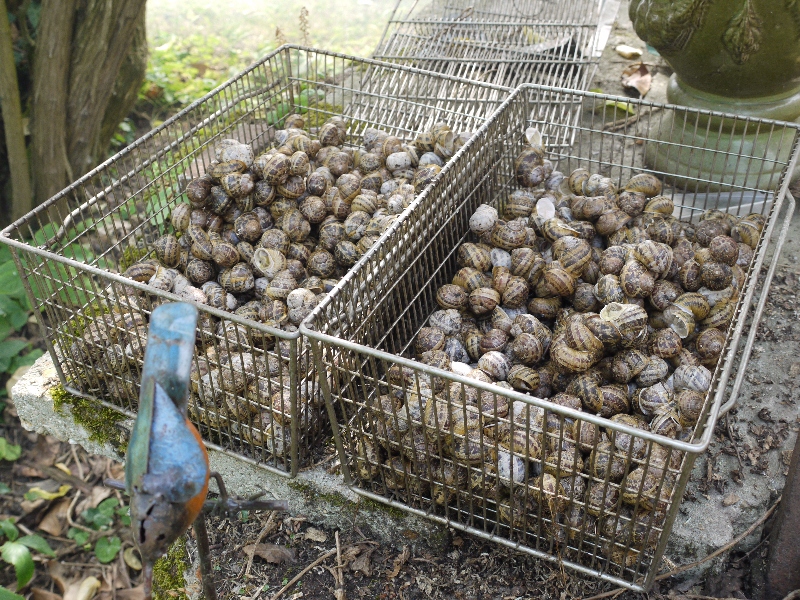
166	468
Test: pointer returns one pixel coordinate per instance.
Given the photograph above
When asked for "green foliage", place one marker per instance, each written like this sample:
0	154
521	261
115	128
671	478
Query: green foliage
9	595
4	489
80	536
107	548
9	452
16	551
101	517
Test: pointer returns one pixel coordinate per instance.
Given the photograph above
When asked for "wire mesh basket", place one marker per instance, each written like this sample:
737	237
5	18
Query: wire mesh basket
560	55
510	43
582	12
70	250
425	439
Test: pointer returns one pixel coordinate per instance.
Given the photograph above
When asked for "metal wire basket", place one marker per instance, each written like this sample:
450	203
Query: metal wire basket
429	458
70	250
509	43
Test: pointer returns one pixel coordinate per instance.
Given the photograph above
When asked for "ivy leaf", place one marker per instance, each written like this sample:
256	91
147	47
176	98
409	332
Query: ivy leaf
80	536
106	549
8	529
38	543
18	555
9	452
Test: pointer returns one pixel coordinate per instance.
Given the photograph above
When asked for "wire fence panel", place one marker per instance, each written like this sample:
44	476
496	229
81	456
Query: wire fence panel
254	392
574	487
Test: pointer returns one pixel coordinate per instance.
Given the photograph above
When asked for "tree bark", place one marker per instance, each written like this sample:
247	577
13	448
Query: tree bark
48	103
102	38
129	81
22	201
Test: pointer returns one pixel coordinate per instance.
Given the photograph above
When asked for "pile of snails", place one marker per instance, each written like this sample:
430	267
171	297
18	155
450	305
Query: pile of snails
265	237
595	298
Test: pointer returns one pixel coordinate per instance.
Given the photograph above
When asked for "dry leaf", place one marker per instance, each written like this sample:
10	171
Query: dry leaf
730	500
99	493
56	571
350	553
362	563
136	593
628	51
131	557
637	77
55	521
271	553
40	594
401	559
315	535
85	590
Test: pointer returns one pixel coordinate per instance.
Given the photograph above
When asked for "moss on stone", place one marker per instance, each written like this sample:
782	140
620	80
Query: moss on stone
130	255
95	418
393	512
168	580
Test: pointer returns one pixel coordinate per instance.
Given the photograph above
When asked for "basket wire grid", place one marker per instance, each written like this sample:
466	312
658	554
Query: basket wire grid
70	249
584	12
419	460
559	55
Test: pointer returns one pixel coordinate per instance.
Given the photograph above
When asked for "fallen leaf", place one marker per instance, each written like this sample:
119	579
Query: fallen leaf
363	563
350	553
458	542
37	492
55	521
136	593
637	77
56	571
40	594
271	553
131	556
730	500
628	51
85	590
612	107
401	559
315	535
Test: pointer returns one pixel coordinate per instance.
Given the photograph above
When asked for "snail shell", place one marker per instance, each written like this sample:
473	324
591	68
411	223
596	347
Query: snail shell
647	183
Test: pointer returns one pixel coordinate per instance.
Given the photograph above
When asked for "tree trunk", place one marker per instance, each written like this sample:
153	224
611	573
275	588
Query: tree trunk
12	121
128	83
102	38
51	167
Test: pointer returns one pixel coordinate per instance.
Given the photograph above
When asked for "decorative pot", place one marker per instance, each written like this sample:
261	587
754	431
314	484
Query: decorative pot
731	56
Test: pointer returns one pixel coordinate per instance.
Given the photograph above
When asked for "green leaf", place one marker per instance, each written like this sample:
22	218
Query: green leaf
4	489
107	506
38	543
12	348
79	535
25	360
18	555
106	549
6	594
9	452
8	529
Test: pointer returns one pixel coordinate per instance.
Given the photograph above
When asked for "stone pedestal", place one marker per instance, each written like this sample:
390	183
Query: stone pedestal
733	56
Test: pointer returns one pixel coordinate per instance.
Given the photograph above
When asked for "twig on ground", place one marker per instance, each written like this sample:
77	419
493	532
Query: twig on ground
792	595
299	576
257	542
623	123
611	594
724	548
69	514
78	464
338	592
713	555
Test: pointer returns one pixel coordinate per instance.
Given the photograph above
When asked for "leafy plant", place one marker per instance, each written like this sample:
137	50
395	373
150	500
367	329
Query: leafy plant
9	452
16	551
102	518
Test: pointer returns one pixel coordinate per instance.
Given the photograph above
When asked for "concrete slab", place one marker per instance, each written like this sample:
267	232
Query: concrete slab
315	494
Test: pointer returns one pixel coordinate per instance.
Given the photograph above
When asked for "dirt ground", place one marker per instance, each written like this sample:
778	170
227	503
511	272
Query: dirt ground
257	556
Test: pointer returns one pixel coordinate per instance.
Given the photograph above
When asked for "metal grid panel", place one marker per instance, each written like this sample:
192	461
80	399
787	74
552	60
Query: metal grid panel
70	249
583	12
421	460
505	54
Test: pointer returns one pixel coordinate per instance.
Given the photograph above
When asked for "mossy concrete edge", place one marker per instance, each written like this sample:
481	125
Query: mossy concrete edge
322	498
